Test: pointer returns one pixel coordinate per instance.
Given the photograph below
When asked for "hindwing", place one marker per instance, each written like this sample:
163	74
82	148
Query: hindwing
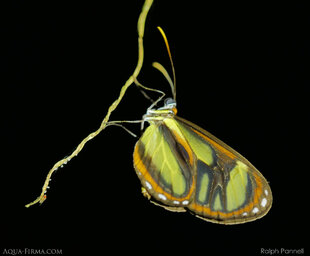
165	166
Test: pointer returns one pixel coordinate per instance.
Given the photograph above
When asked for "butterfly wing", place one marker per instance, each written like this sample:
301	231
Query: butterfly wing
184	167
164	167
229	189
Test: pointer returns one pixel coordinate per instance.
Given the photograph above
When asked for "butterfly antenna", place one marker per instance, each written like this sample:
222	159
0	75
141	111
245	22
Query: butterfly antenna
162	69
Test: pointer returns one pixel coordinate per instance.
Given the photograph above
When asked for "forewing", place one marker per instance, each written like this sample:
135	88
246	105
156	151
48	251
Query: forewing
229	189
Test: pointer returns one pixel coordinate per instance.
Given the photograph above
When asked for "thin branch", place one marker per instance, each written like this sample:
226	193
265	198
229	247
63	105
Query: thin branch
141	24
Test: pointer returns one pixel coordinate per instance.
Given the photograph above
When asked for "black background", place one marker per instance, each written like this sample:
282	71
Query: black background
242	74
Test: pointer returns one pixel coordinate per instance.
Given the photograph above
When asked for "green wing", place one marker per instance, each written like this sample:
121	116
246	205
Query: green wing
229	189
161	163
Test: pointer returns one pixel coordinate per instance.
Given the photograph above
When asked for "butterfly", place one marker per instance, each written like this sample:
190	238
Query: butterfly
185	168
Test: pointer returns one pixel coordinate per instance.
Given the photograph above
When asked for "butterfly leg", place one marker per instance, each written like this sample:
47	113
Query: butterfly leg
145	193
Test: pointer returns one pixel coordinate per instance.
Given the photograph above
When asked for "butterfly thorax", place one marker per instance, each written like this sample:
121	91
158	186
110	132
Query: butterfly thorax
169	110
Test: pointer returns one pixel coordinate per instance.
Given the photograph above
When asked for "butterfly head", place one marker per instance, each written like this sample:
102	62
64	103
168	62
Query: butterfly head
167	111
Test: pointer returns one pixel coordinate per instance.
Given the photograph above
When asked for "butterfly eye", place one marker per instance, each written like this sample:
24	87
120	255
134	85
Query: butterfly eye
170	102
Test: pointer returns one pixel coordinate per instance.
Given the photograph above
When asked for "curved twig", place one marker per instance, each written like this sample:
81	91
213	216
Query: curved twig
132	78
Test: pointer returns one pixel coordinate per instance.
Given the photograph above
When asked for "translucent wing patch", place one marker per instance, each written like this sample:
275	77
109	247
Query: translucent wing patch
229	189
164	166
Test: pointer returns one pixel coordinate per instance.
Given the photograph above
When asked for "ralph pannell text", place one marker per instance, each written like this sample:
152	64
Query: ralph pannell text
282	251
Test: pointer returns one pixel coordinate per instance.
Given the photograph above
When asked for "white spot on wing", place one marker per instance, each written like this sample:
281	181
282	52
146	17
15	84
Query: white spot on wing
255	210
161	196
148	185
266	192
185	202
176	202
264	202
245	214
